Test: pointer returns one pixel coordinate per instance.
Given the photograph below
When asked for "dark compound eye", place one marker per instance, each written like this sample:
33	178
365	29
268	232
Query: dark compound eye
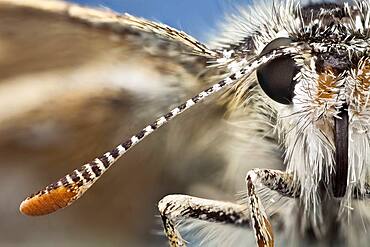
276	76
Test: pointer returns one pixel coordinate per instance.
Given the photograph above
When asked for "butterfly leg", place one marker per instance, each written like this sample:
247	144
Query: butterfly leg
278	181
179	207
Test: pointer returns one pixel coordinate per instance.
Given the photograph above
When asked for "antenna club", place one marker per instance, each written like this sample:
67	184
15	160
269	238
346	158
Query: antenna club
46	202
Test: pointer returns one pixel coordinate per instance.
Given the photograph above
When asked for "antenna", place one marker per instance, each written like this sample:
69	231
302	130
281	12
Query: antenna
69	188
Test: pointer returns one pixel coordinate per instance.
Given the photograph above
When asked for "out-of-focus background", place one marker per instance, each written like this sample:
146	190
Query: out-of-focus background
49	129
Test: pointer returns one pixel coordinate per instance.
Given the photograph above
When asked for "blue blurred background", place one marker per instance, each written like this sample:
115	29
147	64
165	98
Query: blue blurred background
196	17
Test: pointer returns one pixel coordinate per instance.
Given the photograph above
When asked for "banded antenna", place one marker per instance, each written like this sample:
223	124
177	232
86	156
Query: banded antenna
68	189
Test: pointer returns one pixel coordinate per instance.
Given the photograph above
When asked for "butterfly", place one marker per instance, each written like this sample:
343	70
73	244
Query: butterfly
291	80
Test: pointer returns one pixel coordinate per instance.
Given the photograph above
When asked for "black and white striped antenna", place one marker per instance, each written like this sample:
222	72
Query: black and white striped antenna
68	189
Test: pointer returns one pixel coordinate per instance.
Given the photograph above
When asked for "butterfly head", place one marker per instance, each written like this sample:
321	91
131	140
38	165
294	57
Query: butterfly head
319	94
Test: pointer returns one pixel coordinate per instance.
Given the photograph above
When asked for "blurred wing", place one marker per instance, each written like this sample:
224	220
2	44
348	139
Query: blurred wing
75	81
77	49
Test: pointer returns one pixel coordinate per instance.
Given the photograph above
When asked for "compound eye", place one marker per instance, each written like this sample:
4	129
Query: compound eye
276	76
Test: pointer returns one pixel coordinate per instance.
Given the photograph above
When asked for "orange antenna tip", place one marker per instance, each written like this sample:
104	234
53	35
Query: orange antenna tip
48	201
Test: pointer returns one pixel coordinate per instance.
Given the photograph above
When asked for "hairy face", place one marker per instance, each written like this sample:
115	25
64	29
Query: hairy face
319	95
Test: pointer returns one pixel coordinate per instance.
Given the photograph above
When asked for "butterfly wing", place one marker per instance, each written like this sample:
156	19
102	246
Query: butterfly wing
76	81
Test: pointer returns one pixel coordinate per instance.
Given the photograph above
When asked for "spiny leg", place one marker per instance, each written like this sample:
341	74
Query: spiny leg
178	207
278	181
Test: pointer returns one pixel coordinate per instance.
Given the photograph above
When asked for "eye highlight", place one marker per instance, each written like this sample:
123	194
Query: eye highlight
276	76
